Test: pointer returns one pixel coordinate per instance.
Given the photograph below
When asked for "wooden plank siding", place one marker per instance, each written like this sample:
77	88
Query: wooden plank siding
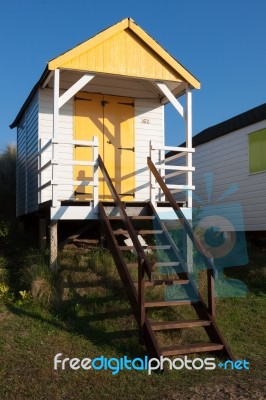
27	148
21	168
122	54
152	129
65	152
228	159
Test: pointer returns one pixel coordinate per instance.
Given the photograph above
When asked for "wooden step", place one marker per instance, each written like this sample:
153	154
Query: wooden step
143	217
166	264
191	348
162	326
158	264
86	241
138	232
167	282
134	218
159	247
149	232
159	282
163	303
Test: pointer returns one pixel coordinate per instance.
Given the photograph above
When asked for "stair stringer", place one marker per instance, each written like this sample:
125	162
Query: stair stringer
147	335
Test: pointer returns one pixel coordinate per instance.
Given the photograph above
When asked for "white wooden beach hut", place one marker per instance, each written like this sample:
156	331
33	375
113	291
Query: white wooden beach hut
91	146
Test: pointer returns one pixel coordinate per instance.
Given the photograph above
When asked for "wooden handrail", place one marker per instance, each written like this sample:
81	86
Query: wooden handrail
141	254
206	257
184	222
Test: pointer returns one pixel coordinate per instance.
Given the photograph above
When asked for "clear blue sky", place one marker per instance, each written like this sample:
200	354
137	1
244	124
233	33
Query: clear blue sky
222	43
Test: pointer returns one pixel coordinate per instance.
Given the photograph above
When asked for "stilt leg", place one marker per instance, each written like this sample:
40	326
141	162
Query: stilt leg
42	233
53	245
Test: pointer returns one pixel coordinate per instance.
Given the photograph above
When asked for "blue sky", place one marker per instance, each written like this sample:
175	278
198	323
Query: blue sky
222	43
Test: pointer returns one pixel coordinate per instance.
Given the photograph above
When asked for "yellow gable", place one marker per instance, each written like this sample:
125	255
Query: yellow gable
124	49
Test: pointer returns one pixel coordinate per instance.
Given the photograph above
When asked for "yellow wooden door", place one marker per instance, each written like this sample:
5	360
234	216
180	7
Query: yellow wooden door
110	118
118	145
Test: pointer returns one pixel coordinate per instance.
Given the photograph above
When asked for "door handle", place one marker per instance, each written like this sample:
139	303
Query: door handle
127	148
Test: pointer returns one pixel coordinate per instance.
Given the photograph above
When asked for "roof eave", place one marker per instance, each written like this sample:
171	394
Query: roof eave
240	121
30	97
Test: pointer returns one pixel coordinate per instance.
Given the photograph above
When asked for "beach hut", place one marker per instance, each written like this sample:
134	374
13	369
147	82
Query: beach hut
91	147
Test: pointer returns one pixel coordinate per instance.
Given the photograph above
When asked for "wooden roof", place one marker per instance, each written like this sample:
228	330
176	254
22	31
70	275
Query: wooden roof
233	124
124	49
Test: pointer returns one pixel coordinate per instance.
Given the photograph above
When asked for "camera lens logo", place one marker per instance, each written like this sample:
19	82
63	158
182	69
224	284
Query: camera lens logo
217	242
220	228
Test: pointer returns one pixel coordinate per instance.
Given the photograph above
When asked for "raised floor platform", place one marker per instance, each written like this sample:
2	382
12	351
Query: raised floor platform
85	211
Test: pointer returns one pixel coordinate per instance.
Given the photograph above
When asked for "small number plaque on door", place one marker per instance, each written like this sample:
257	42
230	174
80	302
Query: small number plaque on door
145	120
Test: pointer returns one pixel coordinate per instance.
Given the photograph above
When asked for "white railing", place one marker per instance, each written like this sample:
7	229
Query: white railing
164	164
48	155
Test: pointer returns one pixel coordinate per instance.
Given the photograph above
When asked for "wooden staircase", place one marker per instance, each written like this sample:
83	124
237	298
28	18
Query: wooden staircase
149	268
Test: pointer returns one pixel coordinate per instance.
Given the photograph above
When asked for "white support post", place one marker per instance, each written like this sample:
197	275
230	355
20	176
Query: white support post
189	142
55	135
187	243
95	174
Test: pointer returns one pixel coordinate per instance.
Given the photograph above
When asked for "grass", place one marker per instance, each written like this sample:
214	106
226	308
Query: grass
92	317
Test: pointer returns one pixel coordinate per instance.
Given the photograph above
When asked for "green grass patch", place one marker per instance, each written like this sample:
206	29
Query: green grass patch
92	317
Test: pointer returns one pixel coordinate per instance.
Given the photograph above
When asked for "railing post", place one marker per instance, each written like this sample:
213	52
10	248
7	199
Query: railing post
141	297
152	179
95	175
211	293
189	142
55	135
